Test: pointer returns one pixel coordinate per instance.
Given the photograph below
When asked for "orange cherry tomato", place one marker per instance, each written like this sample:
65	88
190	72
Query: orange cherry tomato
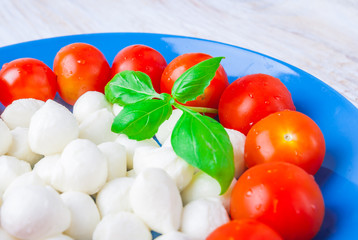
286	136
80	67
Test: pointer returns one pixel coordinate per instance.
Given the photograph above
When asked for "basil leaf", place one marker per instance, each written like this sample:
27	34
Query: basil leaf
204	143
141	120
129	87
193	81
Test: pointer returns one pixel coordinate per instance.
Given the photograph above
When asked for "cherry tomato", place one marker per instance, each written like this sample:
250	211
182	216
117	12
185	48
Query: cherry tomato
287	136
248	229
80	67
281	195
211	96
140	58
250	98
26	78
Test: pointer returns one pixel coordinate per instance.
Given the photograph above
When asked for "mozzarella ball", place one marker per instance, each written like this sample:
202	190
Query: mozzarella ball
84	215
34	212
237	140
89	103
131	173
116	157
5	138
26	179
201	217
82	167
167	126
131	145
5	236
20	146
114	196
124	224
116	109
97	127
155	198
51	128
10	169
59	237
20	112
174	236
46	166
165	158
204	186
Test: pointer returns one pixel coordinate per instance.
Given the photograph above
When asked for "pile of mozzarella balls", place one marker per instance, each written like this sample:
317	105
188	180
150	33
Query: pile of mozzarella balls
64	175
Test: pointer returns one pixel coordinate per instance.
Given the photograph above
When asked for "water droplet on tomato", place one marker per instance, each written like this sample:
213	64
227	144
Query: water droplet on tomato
267	102
251	123
81	61
258	147
248	193
251	96
277	97
275	202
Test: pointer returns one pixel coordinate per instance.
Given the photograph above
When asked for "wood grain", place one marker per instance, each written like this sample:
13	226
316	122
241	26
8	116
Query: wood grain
318	36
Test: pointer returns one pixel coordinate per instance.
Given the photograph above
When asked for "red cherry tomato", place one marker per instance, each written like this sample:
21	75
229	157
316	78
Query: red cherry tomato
26	78
180	64
80	67
281	195
250	98
140	58
287	136
248	229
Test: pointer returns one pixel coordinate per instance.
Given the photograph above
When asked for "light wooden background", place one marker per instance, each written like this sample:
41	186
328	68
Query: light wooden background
318	36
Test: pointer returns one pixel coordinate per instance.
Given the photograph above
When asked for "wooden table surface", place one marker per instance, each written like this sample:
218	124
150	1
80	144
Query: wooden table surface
318	36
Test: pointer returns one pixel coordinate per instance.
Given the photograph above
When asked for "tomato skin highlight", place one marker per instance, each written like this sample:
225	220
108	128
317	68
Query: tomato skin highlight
281	195
26	78
287	136
140	58
211	96
248	229
251	98
80	67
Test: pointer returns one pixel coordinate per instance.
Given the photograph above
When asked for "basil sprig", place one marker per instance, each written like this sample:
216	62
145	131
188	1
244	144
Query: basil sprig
198	139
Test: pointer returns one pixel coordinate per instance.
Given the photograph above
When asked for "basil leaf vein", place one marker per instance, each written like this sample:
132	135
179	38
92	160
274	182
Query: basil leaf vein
205	144
141	120
129	87
193	81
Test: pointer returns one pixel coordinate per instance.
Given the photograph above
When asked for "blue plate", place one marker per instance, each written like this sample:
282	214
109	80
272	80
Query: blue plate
336	116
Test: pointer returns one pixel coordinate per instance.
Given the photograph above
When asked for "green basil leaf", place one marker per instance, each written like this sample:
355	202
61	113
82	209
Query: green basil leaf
128	87
141	120
193	81
204	143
